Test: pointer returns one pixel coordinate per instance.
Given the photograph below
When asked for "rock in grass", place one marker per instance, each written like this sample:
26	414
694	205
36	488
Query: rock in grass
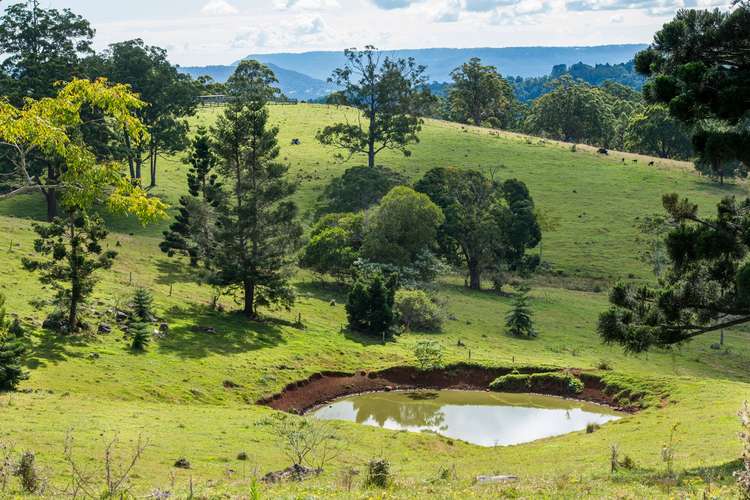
495	479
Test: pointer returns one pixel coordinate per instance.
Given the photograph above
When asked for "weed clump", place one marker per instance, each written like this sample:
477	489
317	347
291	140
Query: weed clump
378	473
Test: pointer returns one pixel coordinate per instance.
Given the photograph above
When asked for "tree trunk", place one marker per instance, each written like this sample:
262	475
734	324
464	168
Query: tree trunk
475	278
153	166
371	136
75	286
50	195
249	309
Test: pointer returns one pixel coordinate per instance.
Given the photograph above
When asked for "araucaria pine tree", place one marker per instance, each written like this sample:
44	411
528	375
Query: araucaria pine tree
69	254
140	336
193	231
12	351
369	307
257	228
519	321
142	305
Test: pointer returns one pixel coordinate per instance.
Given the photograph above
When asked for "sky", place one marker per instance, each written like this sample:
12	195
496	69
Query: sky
204	32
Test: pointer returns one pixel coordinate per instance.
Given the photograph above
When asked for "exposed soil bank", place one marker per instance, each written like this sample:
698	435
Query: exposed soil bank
321	388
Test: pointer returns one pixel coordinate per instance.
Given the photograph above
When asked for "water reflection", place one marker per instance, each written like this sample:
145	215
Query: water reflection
482	418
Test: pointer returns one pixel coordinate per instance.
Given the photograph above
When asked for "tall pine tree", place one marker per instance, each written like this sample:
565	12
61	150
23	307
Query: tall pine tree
192	233
258	231
12	350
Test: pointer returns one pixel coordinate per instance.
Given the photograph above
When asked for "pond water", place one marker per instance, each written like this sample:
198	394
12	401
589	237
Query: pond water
482	418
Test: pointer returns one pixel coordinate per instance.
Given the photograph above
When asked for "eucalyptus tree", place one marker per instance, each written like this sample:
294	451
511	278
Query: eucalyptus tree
389	94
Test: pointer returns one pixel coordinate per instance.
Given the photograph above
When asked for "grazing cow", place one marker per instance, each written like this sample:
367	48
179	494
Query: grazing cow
602	151
635	161
295	142
651	164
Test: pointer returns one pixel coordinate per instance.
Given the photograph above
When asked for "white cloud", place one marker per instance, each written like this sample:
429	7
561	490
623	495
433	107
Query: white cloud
306	4
219	8
450	12
303	30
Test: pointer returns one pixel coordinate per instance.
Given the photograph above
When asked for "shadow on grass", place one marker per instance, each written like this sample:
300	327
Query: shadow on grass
173	271
715	474
203	332
52	347
323	290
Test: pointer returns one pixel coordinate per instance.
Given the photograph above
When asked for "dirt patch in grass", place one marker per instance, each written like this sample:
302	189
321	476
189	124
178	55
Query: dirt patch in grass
320	388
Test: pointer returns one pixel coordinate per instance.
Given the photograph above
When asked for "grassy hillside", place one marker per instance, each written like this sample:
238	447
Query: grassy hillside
175	393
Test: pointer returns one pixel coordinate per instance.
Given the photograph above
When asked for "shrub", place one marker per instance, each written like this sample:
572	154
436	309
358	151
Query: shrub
415	310
559	382
27	472
592	427
556	382
378	473
429	354
511	383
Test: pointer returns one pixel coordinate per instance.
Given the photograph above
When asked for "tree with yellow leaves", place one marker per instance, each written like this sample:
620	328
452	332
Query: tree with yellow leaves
69	250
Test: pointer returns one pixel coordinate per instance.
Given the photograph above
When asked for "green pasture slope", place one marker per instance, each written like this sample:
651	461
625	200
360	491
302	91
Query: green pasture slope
174	394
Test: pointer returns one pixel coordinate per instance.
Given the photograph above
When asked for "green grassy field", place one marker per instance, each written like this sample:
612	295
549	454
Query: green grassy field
174	394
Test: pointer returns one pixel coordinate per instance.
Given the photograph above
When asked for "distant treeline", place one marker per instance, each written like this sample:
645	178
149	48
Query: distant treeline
528	89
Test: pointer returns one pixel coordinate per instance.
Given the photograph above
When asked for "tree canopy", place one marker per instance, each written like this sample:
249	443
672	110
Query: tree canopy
479	94
170	94
389	93
699	67
488	225
705	288
44	126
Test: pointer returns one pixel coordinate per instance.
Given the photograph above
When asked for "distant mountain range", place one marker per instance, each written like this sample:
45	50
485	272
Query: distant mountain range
293	84
303	76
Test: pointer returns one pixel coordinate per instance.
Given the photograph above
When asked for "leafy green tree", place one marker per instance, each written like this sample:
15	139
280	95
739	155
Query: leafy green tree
369	306
40	48
705	288
334	245
388	93
480	95
258	229
47	126
699	67
193	233
358	188
488	225
416	311
69	254
402	227
653	131
142	305
519	322
12	351
574	112
170	94
429	354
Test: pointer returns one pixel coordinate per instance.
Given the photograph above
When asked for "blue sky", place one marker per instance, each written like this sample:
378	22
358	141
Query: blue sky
201	32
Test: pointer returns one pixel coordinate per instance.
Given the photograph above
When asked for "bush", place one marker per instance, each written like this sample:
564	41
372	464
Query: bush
358	189
554	382
511	383
416	311
27	472
429	354
378	473
592	427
